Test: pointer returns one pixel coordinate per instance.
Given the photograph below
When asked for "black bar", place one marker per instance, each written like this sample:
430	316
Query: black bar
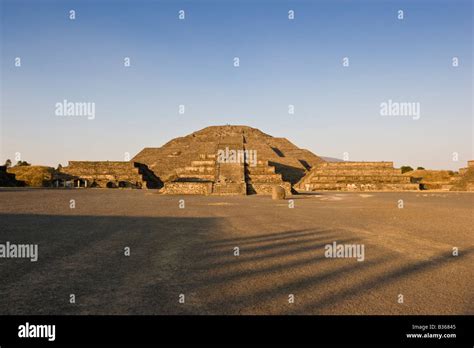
241	329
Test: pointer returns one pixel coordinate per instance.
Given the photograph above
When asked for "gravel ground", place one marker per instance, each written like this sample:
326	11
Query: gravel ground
190	251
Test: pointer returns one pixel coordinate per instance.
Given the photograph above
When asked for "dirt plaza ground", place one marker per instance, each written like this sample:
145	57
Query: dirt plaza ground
191	251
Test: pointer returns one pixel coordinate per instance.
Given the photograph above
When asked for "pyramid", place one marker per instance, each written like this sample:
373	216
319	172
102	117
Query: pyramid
227	160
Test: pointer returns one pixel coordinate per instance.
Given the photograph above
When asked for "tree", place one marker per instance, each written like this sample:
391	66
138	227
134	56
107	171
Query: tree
8	163
420	168
406	169
22	164
59	167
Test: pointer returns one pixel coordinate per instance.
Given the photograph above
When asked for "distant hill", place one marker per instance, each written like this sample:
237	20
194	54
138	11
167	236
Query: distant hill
331	159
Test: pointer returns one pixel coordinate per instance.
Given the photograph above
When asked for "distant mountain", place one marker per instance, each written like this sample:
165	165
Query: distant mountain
331	159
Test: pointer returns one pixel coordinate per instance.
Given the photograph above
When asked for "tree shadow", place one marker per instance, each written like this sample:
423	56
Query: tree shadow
265	236
275	267
275	252
85	256
385	279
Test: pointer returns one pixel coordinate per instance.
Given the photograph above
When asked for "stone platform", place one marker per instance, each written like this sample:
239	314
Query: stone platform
355	176
465	181
105	174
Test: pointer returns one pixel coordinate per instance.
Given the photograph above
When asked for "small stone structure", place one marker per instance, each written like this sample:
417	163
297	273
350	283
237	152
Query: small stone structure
470	166
32	176
465	180
278	192
105	174
355	176
442	180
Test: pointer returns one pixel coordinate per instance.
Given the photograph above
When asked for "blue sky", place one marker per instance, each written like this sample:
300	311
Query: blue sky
282	62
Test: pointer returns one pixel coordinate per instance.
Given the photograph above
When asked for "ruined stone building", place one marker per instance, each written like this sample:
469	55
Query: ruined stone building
466	178
355	176
240	160
105	174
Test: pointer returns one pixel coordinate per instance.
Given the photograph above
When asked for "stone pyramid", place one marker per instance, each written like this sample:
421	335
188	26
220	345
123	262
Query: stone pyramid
199	163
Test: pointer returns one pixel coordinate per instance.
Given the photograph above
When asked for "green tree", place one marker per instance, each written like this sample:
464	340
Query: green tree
406	169
420	168
8	163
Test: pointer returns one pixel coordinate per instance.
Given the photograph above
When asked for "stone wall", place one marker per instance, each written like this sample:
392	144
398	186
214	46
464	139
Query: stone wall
190	188
433	179
465	181
33	176
262	178
103	174
355	176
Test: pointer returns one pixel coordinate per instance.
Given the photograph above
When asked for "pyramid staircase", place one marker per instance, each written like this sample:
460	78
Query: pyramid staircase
206	175
262	178
230	177
197	178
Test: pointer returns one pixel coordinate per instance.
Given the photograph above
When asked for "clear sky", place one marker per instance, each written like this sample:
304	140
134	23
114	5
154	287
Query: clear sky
282	62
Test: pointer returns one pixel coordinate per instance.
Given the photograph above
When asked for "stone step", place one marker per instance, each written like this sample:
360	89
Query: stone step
264	178
205	156
262	163
195	177
356	172
260	170
359	178
197	170
359	186
230	189
203	163
107	177
187	188
356	164
328	182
